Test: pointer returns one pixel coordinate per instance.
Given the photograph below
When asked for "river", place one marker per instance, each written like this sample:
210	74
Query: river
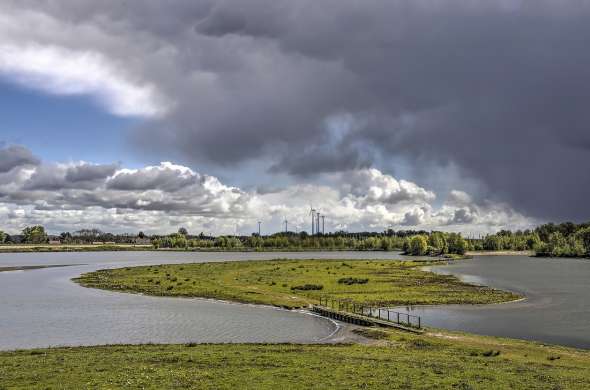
43	307
556	309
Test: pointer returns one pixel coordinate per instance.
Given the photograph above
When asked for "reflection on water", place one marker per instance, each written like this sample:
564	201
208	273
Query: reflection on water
556	309
43	307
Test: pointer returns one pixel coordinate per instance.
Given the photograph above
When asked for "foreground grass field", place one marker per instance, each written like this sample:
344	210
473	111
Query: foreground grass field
296	283
398	361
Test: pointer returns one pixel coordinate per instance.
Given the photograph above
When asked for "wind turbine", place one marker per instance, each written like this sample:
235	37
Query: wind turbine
317	230
259	228
286	225
323	225
312	213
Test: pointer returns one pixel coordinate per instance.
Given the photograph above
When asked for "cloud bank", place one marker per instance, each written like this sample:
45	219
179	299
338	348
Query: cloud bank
161	198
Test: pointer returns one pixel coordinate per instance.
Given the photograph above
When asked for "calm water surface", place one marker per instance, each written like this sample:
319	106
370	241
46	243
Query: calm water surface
557	308
43	307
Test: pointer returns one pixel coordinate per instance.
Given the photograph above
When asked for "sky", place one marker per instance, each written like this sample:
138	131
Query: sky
455	115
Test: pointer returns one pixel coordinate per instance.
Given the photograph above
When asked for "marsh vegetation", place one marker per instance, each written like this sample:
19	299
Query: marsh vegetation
297	283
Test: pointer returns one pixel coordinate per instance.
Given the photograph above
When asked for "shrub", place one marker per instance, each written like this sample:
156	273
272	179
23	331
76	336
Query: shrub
306	287
349	281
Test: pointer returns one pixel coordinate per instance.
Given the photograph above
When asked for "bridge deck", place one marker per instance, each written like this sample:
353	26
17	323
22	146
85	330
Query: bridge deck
360	319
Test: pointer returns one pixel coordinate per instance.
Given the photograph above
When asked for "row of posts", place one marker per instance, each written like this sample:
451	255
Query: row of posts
384	314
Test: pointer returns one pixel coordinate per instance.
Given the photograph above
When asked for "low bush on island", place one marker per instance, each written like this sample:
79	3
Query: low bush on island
350	281
307	287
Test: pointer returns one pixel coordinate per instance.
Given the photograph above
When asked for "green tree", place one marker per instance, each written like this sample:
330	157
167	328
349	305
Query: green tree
557	244
2	237
492	243
438	241
35	235
584	236
533	241
457	244
418	246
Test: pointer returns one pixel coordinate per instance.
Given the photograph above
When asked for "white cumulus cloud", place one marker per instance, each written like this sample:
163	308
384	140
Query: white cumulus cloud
62	71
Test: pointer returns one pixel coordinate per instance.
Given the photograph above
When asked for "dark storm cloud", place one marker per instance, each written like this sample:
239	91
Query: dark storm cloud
498	89
307	162
89	172
15	156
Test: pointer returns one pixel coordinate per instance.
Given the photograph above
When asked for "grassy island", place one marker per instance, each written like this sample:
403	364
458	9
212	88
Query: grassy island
296	283
394	360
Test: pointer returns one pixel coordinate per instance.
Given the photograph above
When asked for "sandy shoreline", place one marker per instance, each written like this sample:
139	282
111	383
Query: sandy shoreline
500	253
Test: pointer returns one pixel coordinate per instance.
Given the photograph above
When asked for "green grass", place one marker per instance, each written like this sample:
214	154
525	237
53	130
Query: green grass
272	282
398	361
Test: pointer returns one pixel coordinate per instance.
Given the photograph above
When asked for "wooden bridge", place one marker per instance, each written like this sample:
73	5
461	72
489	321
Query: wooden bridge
347	311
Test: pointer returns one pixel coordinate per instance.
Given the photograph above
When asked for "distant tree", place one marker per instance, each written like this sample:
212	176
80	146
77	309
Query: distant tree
418	246
2	237
34	235
141	235
457	244
183	231
584	236
438	242
532	241
66	237
492	243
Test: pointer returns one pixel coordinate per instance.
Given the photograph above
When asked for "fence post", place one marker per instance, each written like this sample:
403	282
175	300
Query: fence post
398	317
419	322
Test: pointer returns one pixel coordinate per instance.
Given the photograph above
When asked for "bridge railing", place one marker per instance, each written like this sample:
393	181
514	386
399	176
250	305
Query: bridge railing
384	314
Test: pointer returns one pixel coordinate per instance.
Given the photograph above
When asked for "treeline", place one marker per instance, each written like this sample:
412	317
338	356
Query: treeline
557	240
548	240
436	244
89	236
289	240
414	243
30	235
37	235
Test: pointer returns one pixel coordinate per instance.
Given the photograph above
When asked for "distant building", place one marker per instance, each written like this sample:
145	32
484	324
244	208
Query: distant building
54	242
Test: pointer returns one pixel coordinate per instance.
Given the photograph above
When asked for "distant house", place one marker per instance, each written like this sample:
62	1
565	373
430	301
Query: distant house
54	242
